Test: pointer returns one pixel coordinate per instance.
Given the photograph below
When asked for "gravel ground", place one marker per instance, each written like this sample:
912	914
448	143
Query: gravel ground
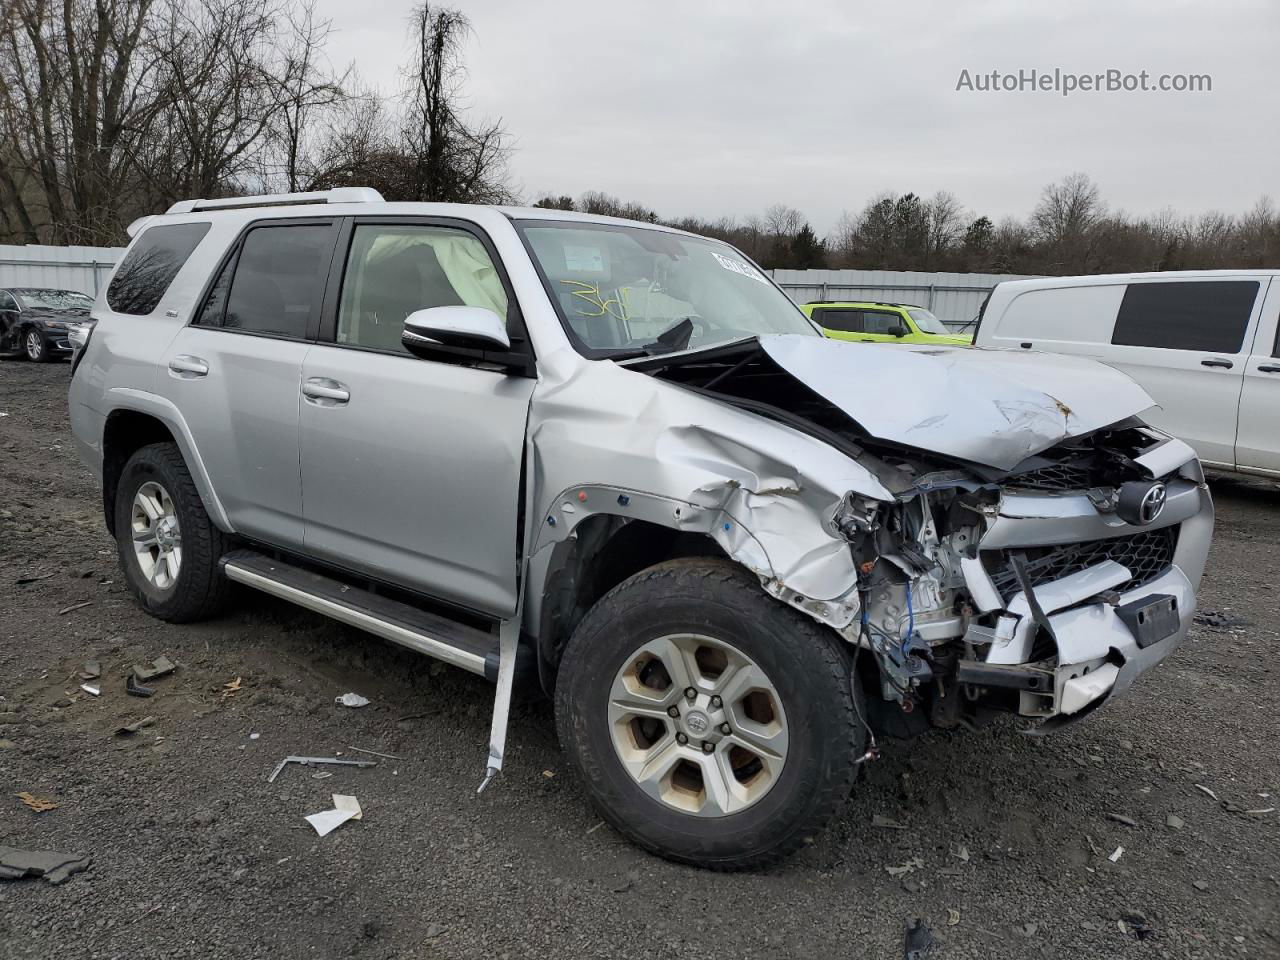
1008	838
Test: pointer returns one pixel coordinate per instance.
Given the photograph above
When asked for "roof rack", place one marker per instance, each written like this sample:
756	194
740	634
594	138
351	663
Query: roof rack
336	195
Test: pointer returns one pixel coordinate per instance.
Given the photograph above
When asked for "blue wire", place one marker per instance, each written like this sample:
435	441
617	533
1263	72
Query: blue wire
911	619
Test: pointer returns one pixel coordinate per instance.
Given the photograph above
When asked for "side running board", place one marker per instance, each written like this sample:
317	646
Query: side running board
467	647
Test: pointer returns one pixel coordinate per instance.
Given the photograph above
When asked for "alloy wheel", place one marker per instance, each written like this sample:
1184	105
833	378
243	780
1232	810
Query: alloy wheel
157	539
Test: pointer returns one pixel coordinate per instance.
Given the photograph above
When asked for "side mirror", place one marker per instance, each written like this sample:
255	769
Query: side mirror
898	331
475	328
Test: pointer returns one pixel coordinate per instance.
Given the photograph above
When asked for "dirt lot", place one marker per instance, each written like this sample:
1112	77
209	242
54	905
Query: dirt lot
196	855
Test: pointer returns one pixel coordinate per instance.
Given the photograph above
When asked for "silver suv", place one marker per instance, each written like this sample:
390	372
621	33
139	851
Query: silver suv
616	458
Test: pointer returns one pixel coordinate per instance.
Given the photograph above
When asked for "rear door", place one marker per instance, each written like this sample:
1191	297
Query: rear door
411	469
1258	437
234	373
855	323
1187	343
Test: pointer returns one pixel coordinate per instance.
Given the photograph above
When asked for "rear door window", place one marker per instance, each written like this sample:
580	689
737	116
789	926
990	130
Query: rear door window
845	321
274	284
150	266
1209	316
876	321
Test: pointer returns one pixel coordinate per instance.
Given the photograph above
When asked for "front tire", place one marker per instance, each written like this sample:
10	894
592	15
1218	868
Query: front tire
36	349
168	546
712	725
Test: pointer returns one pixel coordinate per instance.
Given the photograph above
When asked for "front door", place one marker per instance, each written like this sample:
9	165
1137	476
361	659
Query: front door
411	469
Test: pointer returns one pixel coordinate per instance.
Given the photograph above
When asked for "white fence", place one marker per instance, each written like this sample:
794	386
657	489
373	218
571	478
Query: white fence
955	298
60	268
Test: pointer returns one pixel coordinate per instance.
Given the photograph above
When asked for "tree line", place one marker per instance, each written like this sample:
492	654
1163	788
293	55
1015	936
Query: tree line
112	109
1071	230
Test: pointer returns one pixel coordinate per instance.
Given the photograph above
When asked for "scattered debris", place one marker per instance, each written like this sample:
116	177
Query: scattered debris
1216	618
230	688
254	736
91	670
628	882
592	830
134	689
1261	812
1137	925
953	916
1200	884
32	578
1205	790
886	823
375	753
35	803
352	700
75	606
1174	822
131	728
344	808
54	867
159	667
918	941
1028	929
91	690
911	866
1121	818
322	775
912	886
1115	857
309	761
961	853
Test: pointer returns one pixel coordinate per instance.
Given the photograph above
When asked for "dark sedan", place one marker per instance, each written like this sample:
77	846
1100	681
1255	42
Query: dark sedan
35	323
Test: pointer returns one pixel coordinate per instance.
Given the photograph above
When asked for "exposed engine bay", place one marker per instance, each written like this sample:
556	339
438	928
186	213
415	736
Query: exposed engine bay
1037	587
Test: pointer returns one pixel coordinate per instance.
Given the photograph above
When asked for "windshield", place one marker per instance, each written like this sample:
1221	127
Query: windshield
618	289
54	299
926	321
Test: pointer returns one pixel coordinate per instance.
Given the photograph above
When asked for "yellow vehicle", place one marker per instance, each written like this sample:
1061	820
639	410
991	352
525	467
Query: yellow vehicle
881	322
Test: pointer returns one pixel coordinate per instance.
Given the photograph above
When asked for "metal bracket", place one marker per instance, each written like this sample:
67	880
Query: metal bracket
508	642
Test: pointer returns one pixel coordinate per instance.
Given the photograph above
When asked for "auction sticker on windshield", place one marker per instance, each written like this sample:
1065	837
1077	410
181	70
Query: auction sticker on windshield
738	266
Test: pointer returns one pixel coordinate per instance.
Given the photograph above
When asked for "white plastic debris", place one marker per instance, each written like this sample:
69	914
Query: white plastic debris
254	736
352	700
1115	857
344	808
92	691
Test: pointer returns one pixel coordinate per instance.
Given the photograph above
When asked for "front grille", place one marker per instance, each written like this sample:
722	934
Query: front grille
1059	476
1146	555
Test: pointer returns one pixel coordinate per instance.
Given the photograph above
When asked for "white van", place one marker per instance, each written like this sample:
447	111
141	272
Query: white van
1203	343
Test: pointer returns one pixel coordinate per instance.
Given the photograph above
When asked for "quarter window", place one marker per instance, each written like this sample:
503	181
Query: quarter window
1210	316
393	270
150	266
7	302
279	277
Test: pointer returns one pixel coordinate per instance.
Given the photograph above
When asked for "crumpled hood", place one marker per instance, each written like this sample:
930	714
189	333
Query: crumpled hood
994	407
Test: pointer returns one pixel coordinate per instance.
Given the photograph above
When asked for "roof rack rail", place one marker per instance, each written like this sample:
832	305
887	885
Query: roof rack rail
336	195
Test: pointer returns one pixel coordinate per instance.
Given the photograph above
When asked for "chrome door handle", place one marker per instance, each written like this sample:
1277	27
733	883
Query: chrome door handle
1268	368
325	392
186	367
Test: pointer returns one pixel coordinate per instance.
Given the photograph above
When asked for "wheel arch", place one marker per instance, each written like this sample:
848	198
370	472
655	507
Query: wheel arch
145	419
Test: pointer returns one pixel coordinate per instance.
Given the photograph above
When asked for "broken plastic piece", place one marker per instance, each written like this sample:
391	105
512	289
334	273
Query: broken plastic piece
135	689
35	803
344	808
91	690
54	867
309	761
352	700
159	667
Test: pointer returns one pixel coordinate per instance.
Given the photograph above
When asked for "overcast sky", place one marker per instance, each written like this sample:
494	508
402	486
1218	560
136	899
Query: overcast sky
711	108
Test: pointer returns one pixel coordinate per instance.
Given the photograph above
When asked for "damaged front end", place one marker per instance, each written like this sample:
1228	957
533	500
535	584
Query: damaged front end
1037	574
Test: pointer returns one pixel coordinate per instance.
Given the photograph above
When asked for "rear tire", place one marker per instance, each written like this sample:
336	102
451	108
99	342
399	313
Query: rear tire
169	548
757	774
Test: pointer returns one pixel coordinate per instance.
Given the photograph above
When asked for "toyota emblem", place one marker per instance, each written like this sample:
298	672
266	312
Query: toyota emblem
1152	503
